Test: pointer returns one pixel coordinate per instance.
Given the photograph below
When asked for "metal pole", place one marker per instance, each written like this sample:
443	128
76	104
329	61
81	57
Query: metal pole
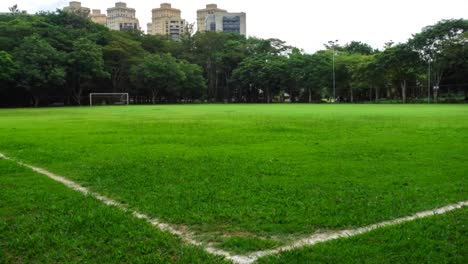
429	82
90	99
334	76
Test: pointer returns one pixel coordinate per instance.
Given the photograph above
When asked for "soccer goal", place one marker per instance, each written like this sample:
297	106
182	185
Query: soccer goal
109	99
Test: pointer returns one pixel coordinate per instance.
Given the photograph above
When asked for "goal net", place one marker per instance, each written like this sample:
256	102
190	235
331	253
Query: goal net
96	99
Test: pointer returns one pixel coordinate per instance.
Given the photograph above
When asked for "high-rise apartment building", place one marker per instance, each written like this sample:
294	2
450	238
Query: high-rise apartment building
227	22
202	15
75	7
97	17
215	19
122	17
167	21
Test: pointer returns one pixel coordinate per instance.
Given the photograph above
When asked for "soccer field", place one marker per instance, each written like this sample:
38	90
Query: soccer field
253	177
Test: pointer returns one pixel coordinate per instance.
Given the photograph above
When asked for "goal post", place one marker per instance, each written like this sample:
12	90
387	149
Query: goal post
109	99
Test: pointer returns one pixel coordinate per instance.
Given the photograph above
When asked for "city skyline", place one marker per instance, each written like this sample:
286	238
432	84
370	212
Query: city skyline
302	24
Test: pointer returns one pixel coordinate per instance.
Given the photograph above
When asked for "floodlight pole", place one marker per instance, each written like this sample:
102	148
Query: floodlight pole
429	82
334	76
332	44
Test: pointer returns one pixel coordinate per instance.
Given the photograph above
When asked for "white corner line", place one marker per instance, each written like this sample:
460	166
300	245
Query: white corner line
324	237
188	237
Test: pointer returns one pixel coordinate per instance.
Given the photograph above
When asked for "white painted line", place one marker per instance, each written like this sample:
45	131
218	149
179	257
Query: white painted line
188	237
323	237
175	230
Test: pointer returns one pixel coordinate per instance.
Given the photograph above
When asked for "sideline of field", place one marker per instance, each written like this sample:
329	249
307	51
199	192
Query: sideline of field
186	236
43	221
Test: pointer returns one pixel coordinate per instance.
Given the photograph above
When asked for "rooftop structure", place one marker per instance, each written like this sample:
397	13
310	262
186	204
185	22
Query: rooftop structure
97	17
75	7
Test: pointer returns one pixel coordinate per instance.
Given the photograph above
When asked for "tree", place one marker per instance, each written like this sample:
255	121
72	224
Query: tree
157	74
8	73
8	68
85	63
264	74
40	67
402	65
193	85
311	73
14	10
119	55
436	45
357	47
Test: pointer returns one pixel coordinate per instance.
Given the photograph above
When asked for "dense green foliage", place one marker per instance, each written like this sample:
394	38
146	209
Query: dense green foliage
438	239
42	221
260	170
58	58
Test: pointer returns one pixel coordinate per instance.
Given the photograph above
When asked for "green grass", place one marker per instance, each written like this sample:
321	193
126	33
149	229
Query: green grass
439	239
262	170
42	221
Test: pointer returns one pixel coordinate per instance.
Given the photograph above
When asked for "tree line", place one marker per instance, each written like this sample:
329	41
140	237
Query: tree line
59	58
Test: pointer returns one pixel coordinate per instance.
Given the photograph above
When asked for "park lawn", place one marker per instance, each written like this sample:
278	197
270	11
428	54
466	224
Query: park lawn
42	221
266	171
437	239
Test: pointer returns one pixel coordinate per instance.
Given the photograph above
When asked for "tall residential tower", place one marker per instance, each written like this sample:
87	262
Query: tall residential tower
167	21
122	17
202	14
214	19
227	22
75	7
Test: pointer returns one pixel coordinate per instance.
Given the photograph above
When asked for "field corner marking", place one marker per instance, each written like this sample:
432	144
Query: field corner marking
339	234
311	240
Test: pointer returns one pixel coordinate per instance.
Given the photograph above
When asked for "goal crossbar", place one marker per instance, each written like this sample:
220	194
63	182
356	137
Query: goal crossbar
91	95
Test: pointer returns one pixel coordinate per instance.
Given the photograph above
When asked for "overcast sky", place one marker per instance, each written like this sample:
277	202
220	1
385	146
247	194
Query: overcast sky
306	24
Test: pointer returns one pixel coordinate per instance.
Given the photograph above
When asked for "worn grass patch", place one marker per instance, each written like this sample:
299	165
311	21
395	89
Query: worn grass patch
245	245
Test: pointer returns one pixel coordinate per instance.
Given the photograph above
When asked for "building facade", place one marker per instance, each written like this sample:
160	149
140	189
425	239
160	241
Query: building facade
122	17
75	7
227	22
167	21
202	15
97	17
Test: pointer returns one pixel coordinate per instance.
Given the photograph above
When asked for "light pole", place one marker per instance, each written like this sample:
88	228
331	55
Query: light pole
429	82
332	45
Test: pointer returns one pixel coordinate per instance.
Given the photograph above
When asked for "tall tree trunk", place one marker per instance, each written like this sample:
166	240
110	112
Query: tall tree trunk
116	78
216	85
227	93
439	73
36	100
310	95
403	91
154	95
351	94
267	95
377	91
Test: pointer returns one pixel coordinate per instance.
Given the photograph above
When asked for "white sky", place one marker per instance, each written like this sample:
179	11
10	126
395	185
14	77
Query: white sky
306	24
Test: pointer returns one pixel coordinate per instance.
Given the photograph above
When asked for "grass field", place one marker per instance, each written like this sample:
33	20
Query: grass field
42	221
252	177
440	239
